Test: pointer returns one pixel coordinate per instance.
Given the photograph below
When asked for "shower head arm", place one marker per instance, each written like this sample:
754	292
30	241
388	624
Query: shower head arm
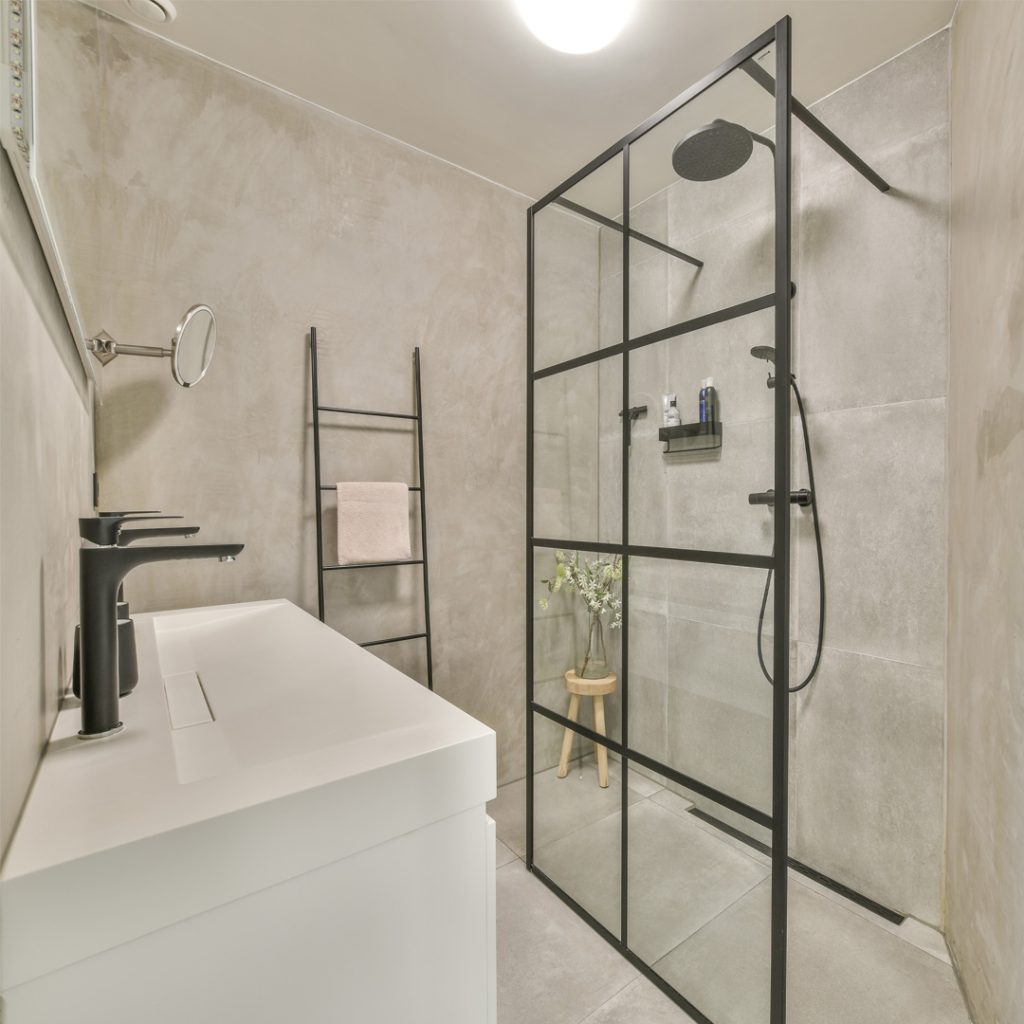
764	142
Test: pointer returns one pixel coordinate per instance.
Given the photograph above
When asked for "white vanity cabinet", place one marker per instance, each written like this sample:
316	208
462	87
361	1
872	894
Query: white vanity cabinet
288	830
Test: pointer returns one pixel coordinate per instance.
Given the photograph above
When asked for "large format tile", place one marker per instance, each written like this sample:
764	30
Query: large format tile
880	476
561	806
719	711
566	281
843	969
897	101
552	967
876	339
639	1003
868	779
680	875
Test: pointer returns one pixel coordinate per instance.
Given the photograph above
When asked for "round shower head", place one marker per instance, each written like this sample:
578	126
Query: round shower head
713	152
763	352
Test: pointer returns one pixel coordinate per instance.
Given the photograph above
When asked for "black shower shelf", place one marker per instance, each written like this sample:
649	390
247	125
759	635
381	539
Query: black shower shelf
695	437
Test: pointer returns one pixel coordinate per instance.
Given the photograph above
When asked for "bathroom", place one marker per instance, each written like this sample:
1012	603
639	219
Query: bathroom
536	758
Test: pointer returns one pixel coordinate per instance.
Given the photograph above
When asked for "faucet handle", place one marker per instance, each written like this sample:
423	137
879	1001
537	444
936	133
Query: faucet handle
130	536
103	529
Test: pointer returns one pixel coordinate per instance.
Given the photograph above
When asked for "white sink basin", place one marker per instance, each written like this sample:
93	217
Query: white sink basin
241	697
260	745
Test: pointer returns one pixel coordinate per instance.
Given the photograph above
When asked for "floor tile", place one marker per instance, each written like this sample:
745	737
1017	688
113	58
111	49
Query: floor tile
681	875
639	1003
561	806
505	855
552	967
843	969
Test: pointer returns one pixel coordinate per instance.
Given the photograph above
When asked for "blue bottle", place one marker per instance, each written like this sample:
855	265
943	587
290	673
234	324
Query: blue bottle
708	401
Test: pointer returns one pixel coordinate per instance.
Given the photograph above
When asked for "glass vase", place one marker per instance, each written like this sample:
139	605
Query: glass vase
594	663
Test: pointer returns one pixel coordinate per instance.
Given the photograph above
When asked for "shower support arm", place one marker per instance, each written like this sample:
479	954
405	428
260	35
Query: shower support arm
829	137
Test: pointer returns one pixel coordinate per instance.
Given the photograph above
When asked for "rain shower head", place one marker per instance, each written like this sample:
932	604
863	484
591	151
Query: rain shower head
763	352
715	151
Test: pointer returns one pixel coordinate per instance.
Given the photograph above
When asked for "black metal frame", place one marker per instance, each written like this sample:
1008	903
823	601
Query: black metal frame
779	300
320	489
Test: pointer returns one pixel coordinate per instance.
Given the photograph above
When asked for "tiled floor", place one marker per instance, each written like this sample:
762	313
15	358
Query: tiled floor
699	913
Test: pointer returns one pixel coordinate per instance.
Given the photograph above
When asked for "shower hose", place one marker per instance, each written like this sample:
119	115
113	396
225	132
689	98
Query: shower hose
821	563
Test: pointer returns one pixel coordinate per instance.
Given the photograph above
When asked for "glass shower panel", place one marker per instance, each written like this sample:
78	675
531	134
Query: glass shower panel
577	269
577	823
722	215
577	453
696	494
569	639
698	701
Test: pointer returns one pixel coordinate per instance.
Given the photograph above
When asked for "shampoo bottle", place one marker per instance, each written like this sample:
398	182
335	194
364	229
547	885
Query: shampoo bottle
708	401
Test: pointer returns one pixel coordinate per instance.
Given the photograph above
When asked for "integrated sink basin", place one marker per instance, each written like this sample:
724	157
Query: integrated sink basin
278	794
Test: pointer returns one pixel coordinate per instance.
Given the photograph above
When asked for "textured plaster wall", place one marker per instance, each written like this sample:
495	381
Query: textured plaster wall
217	189
985	842
45	475
871	344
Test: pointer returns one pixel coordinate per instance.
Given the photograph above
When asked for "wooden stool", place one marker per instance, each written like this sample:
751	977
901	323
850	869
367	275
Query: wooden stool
595	688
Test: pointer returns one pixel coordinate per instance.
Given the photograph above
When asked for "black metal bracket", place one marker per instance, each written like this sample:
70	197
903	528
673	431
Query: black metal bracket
635	412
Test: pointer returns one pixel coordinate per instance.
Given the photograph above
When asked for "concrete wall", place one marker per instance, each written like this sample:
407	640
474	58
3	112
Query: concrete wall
871	342
45	484
212	187
985	811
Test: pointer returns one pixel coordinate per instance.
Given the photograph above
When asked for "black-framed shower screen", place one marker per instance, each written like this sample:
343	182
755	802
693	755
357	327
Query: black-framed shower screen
613	354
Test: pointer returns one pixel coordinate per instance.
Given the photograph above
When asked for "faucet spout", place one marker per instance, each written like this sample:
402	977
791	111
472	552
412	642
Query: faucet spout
101	570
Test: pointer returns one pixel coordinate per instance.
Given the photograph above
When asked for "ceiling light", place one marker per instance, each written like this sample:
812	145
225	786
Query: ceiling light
575	26
160	11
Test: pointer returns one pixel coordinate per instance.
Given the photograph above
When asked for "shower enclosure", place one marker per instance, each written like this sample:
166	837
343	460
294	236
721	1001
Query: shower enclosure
663	262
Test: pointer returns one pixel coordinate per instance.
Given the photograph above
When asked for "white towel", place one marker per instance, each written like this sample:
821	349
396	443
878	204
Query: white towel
373	522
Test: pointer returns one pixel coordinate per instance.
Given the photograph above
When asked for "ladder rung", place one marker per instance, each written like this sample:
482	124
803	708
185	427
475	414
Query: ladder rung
372	565
369	412
393	640
334	487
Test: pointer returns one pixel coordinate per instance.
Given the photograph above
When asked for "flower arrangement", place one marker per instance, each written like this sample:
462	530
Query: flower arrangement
595	582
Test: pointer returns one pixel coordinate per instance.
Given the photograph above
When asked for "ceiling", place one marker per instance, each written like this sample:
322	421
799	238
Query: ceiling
466	81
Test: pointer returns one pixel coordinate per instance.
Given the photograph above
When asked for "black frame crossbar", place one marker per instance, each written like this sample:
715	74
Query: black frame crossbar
320	489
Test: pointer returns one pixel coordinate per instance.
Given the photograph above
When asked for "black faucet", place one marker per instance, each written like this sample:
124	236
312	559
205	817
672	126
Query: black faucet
127	657
101	570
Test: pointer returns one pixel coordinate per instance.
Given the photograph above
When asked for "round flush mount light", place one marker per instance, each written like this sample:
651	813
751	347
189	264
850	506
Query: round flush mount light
575	26
159	11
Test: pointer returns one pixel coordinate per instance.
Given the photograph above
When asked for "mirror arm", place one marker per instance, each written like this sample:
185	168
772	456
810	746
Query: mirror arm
142	350
105	348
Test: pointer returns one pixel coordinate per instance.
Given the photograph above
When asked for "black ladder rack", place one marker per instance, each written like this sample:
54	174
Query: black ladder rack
420	490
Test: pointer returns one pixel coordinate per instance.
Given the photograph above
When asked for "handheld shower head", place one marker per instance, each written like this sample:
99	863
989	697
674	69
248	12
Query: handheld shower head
765	352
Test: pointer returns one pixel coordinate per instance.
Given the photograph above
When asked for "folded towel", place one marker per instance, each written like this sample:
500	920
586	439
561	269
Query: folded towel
373	522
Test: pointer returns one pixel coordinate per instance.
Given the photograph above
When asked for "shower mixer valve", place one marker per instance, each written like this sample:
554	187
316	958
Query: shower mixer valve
803	498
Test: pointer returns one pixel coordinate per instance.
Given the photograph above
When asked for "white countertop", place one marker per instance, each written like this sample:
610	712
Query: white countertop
316	749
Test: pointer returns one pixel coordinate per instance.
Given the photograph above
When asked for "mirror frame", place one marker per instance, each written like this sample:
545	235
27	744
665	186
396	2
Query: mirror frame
179	331
17	136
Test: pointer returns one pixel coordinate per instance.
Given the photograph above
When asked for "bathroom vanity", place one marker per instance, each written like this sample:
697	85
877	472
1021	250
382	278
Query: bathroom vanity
288	829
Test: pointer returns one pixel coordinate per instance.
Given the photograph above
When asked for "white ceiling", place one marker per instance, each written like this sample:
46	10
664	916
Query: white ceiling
466	81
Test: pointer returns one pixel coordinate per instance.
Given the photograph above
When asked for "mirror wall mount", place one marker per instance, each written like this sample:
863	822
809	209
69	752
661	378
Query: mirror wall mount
190	353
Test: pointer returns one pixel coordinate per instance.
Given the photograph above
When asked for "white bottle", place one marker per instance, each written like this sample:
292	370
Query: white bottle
671	411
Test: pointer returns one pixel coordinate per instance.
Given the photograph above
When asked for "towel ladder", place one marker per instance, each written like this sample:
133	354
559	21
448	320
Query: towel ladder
420	489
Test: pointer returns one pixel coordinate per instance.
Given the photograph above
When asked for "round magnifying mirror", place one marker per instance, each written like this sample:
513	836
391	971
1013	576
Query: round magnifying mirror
192	346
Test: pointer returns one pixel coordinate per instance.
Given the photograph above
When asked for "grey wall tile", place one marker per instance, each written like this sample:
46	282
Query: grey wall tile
872	298
868	754
881	492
